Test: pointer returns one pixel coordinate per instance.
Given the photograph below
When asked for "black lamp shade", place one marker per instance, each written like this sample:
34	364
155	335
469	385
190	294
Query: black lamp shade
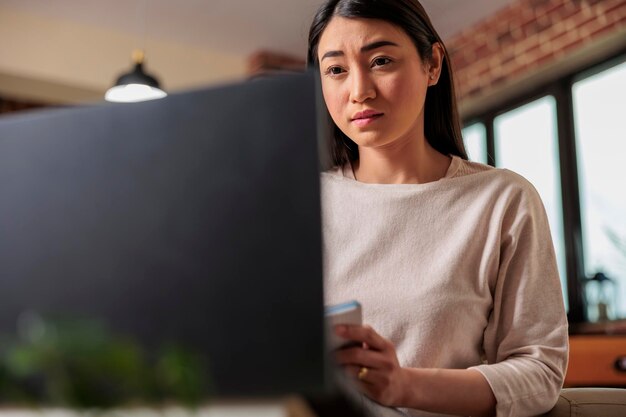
135	85
137	76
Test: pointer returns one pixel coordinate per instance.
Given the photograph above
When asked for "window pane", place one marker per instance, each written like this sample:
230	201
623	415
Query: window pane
475	139
599	114
526	142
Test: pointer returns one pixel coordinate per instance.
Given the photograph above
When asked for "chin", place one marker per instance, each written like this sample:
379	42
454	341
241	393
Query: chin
370	140
361	138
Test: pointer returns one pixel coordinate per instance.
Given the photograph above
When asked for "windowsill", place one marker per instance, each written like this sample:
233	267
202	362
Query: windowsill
612	327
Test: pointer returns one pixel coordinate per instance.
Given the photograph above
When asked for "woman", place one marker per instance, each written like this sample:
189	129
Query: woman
451	260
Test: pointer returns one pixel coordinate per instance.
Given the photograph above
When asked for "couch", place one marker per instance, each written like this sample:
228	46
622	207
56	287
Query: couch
590	402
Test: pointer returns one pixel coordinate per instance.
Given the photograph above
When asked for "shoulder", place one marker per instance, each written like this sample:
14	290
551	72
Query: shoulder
509	192
507	179
518	187
501	180
520	202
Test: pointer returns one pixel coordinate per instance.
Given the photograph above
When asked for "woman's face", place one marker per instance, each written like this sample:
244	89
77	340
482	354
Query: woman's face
374	81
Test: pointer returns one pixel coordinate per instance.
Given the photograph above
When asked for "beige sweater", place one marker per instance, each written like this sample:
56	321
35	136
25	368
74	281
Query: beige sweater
457	273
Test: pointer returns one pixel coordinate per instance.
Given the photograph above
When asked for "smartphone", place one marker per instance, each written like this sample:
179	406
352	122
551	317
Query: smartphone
344	313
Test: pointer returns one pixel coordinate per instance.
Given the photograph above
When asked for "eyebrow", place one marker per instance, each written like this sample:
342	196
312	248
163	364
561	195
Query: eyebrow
365	48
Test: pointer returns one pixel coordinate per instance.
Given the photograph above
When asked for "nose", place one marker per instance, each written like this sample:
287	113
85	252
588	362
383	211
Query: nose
362	87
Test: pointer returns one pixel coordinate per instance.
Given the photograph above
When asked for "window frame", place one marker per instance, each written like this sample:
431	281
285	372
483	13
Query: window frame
561	89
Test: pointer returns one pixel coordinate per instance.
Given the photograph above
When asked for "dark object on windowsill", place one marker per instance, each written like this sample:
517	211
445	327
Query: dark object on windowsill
601	296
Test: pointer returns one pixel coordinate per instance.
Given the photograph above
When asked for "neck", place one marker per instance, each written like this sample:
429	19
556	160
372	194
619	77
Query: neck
412	162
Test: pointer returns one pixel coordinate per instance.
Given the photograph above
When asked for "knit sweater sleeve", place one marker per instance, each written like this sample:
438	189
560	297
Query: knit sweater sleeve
526	339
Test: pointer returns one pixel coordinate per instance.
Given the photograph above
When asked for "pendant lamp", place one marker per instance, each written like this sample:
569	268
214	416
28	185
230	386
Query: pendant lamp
135	85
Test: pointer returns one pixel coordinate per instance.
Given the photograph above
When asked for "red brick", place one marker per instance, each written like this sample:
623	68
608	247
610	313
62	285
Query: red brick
569	44
574	45
621	23
506	69
580	19
557	30
618	8
536	26
600	31
459	61
479	51
573	5
563	38
556	10
541	56
525	15
532	48
498	80
507	56
527	45
519	71
505	38
473	92
479	72
566	12
592	25
539	6
460	76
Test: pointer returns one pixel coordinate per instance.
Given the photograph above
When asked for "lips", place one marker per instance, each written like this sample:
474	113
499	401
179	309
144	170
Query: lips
363	118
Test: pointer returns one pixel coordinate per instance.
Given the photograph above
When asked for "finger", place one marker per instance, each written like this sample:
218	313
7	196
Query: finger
349	344
361	357
363	334
368	379
352	371
358	373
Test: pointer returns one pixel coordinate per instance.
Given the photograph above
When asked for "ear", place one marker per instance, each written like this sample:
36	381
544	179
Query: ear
435	64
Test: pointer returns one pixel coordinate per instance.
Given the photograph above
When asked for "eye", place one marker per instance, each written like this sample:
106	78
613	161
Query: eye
334	70
380	61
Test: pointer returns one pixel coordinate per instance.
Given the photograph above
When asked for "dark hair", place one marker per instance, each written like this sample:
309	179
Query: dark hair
441	121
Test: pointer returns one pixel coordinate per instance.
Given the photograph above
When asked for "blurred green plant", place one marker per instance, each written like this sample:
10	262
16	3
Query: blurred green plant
80	364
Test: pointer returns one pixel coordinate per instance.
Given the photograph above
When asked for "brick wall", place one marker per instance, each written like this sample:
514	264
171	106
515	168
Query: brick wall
527	37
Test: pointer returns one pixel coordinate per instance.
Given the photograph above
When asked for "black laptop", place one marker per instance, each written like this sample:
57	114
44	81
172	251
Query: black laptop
179	237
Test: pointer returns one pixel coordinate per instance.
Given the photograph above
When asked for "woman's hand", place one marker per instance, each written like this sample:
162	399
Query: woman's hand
374	365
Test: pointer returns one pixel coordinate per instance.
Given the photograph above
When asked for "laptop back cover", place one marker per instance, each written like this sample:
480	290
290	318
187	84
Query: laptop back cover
191	221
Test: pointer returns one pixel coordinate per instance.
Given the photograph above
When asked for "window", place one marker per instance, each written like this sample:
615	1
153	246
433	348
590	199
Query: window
474	137
599	112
